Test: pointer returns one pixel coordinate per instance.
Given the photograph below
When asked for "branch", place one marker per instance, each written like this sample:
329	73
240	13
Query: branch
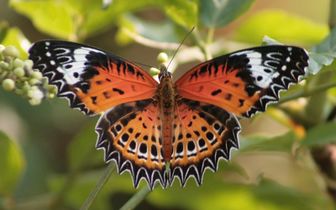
102	181
305	93
136	199
151	43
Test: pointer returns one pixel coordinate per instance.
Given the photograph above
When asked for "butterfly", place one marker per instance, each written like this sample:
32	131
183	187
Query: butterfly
161	131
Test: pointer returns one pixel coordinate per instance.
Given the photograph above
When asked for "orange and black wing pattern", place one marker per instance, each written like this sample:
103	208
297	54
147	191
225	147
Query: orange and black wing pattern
130	134
203	134
91	79
244	82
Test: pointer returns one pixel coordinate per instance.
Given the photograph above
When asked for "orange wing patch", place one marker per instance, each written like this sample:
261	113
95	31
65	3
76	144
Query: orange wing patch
130	135
91	79
244	82
115	85
224	89
203	134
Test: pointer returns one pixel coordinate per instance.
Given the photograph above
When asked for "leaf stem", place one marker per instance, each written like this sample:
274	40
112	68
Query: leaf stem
202	45
136	199
332	14
151	43
101	182
210	36
305	93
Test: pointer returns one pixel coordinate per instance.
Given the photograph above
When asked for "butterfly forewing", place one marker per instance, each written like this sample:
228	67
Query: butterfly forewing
92	80
244	82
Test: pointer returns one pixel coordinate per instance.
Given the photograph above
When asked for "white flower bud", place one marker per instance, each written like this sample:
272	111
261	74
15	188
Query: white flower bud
11	51
8	84
162	57
19	72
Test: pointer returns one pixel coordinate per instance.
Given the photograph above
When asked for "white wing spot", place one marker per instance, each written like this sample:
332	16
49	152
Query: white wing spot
288	59
52	62
283	68
48	54
79	58
263	73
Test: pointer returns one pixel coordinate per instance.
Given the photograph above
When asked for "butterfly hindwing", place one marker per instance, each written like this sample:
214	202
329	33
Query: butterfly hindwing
203	134
91	79
244	82
130	135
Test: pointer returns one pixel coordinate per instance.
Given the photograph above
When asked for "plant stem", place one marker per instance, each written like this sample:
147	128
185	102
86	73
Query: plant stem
202	45
332	14
101	182
151	43
136	199
58	200
210	36
305	93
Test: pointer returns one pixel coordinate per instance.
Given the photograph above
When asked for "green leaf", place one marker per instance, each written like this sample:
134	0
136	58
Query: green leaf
80	189
182	12
82	152
162	31
15	37
321	134
270	41
324	53
279	25
56	18
221	195
263	143
218	13
75	20
11	163
3	30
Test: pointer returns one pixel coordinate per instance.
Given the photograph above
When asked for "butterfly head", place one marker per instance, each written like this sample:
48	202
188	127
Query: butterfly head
164	73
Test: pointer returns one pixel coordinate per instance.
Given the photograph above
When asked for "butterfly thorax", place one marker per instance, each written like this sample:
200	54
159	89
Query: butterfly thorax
166	95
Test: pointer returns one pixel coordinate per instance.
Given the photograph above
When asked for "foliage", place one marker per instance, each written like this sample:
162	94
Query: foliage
273	169
12	165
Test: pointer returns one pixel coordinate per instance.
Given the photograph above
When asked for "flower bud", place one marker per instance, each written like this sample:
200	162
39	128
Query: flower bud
8	84
28	64
4	65
37	75
154	71
35	93
34	101
162	57
2	47
18	62
19	72
11	51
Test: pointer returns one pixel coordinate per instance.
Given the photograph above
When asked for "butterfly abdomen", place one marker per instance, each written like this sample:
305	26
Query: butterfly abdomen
167	102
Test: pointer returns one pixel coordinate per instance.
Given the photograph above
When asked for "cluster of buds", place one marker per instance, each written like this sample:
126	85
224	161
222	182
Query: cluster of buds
18	75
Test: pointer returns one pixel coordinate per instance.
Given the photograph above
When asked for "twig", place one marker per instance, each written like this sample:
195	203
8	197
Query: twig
102	181
305	93
332	14
136	199
151	43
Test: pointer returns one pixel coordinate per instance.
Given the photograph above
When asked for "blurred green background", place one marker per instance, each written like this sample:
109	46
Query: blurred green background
287	158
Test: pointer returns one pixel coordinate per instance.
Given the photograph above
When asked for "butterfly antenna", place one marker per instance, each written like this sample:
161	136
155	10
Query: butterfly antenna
185	37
